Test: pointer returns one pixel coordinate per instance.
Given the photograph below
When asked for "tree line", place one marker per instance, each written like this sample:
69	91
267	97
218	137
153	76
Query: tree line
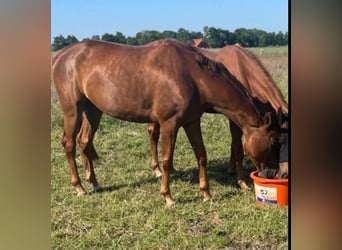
214	37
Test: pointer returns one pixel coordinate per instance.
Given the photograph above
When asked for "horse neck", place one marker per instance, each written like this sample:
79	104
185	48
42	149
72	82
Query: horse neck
226	95
248	69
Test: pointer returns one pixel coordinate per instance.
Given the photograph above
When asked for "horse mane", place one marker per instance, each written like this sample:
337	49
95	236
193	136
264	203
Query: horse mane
212	66
215	67
260	66
258	62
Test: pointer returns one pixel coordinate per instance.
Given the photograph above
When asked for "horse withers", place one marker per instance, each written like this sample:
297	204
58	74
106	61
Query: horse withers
166	82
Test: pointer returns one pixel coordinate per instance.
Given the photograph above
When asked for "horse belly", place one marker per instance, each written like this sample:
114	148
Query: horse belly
119	100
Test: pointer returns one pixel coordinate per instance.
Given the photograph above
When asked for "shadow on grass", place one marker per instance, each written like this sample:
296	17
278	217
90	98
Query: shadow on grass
217	171
142	182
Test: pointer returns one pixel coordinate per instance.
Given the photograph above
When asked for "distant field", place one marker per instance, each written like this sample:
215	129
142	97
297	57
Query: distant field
131	214
281	50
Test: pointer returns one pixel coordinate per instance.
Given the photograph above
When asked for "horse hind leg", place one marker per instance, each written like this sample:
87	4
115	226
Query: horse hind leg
154	132
90	122
72	120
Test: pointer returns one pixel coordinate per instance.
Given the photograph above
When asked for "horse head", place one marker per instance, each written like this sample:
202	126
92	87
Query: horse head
283	121
262	145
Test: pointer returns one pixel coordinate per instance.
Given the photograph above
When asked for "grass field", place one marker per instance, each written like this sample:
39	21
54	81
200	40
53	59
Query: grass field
131	214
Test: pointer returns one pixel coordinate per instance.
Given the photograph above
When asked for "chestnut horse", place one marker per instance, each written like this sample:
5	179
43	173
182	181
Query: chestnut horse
165	82
248	69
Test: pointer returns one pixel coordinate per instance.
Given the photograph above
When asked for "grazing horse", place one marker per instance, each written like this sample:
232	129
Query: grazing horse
248	69
166	82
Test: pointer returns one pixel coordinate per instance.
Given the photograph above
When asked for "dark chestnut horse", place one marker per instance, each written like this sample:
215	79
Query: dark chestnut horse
248	69
165	82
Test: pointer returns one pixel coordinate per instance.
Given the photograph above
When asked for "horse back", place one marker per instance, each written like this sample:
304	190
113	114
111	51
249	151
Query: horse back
133	83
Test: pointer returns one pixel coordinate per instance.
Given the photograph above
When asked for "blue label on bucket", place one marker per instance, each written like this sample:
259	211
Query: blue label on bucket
271	202
267	195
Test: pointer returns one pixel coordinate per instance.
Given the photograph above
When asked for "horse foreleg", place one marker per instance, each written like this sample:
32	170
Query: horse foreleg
237	155
154	132
90	122
168	134
193	132
232	161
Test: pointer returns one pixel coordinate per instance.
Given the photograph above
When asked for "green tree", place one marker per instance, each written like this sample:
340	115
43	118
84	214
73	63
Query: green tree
108	37
271	39
242	36
215	37
211	36
168	34
120	38
95	37
280	39
252	38
141	38
195	35
286	38
147	36
224	37
183	35
59	42
132	41
262	38
71	39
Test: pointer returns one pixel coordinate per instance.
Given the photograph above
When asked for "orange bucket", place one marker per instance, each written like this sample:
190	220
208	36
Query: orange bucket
270	191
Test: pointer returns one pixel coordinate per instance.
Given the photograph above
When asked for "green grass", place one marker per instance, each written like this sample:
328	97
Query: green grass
131	214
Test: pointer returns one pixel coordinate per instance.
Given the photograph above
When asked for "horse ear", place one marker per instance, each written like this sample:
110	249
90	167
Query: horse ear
267	119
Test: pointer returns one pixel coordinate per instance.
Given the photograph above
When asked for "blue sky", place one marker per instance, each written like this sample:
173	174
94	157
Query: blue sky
84	18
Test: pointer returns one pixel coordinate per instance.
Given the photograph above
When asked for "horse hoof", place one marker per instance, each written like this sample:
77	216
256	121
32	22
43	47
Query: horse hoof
158	173
97	189
170	202
81	192
207	198
243	185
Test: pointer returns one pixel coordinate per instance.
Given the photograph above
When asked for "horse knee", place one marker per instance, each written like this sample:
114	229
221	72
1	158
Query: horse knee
68	145
167	164
87	148
83	142
153	130
150	128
